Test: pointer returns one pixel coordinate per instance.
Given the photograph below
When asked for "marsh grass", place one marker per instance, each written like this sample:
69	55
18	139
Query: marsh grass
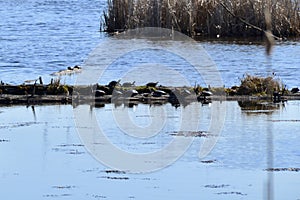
56	88
255	85
208	18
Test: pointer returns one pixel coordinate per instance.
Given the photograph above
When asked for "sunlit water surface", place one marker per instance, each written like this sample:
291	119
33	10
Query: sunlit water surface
40	37
43	157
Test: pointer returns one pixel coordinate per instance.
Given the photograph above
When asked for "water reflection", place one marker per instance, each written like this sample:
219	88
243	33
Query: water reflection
259	107
33	112
130	103
247	106
49	151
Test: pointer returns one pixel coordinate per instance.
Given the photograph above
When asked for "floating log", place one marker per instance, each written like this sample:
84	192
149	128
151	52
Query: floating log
33	100
8	99
101	94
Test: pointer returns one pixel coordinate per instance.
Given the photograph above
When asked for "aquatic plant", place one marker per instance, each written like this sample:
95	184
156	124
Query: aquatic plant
143	89
251	85
55	82
212	18
23	89
55	88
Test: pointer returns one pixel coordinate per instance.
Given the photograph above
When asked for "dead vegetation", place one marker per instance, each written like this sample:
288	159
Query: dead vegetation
208	18
259	85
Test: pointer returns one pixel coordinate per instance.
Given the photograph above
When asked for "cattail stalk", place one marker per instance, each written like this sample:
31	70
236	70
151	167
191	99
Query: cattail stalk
238	18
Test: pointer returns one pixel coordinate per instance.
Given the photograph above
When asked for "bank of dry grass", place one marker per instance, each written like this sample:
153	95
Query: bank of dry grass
208	18
253	85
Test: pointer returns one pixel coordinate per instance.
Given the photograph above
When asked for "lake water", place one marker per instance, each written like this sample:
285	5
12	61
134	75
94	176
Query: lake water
43	156
41	37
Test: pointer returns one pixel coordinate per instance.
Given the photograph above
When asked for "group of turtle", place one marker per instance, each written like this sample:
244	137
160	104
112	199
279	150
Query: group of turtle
130	91
151	89
113	84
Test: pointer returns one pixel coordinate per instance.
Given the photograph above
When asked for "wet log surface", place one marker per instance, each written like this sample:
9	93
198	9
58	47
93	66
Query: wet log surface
8	99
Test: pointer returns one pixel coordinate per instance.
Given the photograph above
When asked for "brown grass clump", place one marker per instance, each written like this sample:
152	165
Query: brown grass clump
212	18
55	88
254	85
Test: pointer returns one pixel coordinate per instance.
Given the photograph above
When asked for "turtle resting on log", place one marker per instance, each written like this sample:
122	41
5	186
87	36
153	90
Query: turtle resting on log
151	84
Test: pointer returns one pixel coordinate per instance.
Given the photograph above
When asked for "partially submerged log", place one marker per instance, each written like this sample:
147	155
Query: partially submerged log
6	99
103	94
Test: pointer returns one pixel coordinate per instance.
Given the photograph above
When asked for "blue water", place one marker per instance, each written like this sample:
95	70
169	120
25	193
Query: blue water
43	157
40	37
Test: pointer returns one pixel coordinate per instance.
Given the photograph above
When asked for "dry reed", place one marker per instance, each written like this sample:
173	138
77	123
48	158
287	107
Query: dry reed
208	18
259	85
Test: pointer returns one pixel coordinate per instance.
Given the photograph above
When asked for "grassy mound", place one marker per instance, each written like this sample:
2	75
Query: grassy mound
255	85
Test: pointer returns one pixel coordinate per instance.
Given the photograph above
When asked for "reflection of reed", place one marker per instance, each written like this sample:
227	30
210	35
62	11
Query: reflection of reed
257	107
270	162
33	112
270	146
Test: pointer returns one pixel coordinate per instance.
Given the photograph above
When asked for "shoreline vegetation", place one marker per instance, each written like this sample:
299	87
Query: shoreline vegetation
252	88
206	18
